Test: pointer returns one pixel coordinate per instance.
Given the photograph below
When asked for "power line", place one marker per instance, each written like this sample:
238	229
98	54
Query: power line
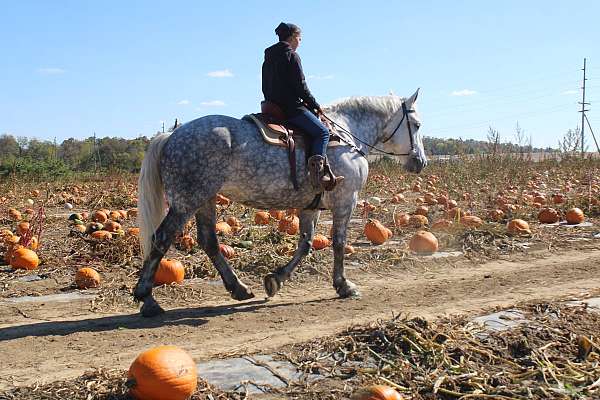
520	83
524	115
485	104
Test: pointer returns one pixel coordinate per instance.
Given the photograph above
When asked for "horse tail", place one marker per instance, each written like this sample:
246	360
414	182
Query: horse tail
151	202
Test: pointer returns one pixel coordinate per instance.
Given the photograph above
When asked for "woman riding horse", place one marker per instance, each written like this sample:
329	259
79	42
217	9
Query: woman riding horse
283	84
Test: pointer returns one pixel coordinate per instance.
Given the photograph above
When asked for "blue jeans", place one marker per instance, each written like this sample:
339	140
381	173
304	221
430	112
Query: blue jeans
318	134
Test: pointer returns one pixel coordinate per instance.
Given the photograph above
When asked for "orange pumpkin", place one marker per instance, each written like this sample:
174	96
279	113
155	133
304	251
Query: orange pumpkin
86	278
455	213
132	212
14	214
451	204
290	224
442	199
320	242
33	243
112	226
418	221
376	392
123	214
376	232
292	211
471	221
169	271
423	242
548	216
187	242
165	372
496	215
23	258
539	199
101	235
430	199
223	228
133	231
422	210
575	216
398	198
442	225
518	227
233	222
79	228
99	216
226	250
261	218
558	198
401	219
277	214
349	249
222	200
115	215
22	228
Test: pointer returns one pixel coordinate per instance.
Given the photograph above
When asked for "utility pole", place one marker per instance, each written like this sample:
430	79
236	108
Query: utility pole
94	152
583	110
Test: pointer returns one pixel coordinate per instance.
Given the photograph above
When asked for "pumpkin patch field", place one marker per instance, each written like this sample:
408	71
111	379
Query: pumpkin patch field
430	253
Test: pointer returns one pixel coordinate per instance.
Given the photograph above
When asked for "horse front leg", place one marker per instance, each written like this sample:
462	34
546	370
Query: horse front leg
161	241
344	287
274	281
207	238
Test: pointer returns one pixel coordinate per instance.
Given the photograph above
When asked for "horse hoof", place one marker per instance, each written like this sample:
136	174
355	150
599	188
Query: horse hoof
150	308
272	284
242	292
348	290
139	293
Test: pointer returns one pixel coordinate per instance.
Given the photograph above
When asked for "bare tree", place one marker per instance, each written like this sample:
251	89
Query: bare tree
493	137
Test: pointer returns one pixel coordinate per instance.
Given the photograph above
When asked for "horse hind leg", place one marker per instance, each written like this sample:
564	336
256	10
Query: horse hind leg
207	238
161	241
274	281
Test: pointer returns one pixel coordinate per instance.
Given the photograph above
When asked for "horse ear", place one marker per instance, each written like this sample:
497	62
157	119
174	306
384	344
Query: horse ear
413	98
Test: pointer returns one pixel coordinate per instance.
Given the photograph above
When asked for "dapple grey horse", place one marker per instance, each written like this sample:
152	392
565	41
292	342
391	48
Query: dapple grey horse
220	154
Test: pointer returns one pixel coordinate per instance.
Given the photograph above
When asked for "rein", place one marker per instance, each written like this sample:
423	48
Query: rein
405	112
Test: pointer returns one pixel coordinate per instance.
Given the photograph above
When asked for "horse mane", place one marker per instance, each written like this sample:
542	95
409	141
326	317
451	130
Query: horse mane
381	105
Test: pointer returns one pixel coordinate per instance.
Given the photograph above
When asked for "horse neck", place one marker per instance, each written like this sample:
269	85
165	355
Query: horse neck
367	127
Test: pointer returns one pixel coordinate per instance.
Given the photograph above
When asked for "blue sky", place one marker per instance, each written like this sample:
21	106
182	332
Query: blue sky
69	68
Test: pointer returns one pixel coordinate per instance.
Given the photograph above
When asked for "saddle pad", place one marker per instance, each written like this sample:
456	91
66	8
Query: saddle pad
272	137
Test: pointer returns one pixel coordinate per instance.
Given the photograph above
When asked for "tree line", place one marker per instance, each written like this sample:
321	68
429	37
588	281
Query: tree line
47	159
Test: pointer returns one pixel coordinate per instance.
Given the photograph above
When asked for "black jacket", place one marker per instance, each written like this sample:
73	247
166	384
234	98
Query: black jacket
283	81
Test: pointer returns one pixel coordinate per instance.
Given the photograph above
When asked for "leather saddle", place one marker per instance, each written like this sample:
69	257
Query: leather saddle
271	123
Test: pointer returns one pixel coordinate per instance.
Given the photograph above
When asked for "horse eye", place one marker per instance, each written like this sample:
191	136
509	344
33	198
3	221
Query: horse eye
418	125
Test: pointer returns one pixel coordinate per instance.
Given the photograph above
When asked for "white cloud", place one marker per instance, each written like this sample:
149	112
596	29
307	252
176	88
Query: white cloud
225	73
184	102
464	92
320	77
212	103
570	92
51	71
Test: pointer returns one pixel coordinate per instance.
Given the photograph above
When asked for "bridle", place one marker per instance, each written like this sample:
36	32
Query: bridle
405	113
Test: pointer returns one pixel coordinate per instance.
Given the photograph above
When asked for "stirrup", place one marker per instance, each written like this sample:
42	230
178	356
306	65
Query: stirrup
329	180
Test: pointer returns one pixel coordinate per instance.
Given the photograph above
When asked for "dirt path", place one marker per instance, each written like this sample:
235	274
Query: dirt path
42	342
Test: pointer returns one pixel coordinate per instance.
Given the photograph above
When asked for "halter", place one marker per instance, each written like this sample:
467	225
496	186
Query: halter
405	112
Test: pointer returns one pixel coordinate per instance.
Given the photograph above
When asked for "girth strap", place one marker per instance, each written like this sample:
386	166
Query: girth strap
291	146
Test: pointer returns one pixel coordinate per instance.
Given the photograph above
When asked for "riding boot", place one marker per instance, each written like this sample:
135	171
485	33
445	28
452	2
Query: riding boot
320	174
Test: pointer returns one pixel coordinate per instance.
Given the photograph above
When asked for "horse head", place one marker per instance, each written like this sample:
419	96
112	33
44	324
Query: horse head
401	134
